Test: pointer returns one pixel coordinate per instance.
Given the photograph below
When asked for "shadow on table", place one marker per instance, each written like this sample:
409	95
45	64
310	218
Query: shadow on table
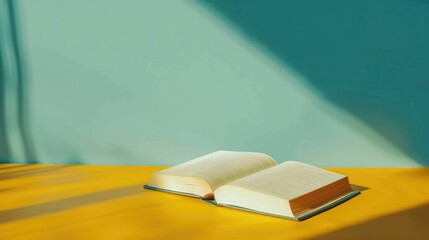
409	224
19	171
68	203
416	173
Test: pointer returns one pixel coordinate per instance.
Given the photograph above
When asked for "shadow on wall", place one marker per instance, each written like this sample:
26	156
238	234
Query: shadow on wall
15	140
370	58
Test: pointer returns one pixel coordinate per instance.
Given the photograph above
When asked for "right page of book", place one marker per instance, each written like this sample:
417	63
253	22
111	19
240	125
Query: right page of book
288	180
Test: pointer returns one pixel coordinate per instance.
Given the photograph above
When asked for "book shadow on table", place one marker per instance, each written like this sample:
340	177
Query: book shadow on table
56	206
408	224
358	188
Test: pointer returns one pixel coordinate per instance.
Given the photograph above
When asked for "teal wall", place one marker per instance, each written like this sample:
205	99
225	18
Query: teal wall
161	82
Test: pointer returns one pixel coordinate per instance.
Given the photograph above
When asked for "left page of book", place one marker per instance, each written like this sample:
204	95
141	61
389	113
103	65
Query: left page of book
203	175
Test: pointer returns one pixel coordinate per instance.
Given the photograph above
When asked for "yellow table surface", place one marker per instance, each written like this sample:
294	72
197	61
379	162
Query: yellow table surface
109	202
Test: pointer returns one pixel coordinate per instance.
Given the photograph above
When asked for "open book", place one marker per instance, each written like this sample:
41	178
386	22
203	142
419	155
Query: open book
254	182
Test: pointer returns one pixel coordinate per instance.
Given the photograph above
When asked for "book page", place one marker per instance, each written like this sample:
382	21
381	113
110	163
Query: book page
221	167
288	180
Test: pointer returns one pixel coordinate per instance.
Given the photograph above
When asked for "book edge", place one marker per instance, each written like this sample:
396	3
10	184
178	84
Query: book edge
306	215
328	205
146	186
258	212
301	217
